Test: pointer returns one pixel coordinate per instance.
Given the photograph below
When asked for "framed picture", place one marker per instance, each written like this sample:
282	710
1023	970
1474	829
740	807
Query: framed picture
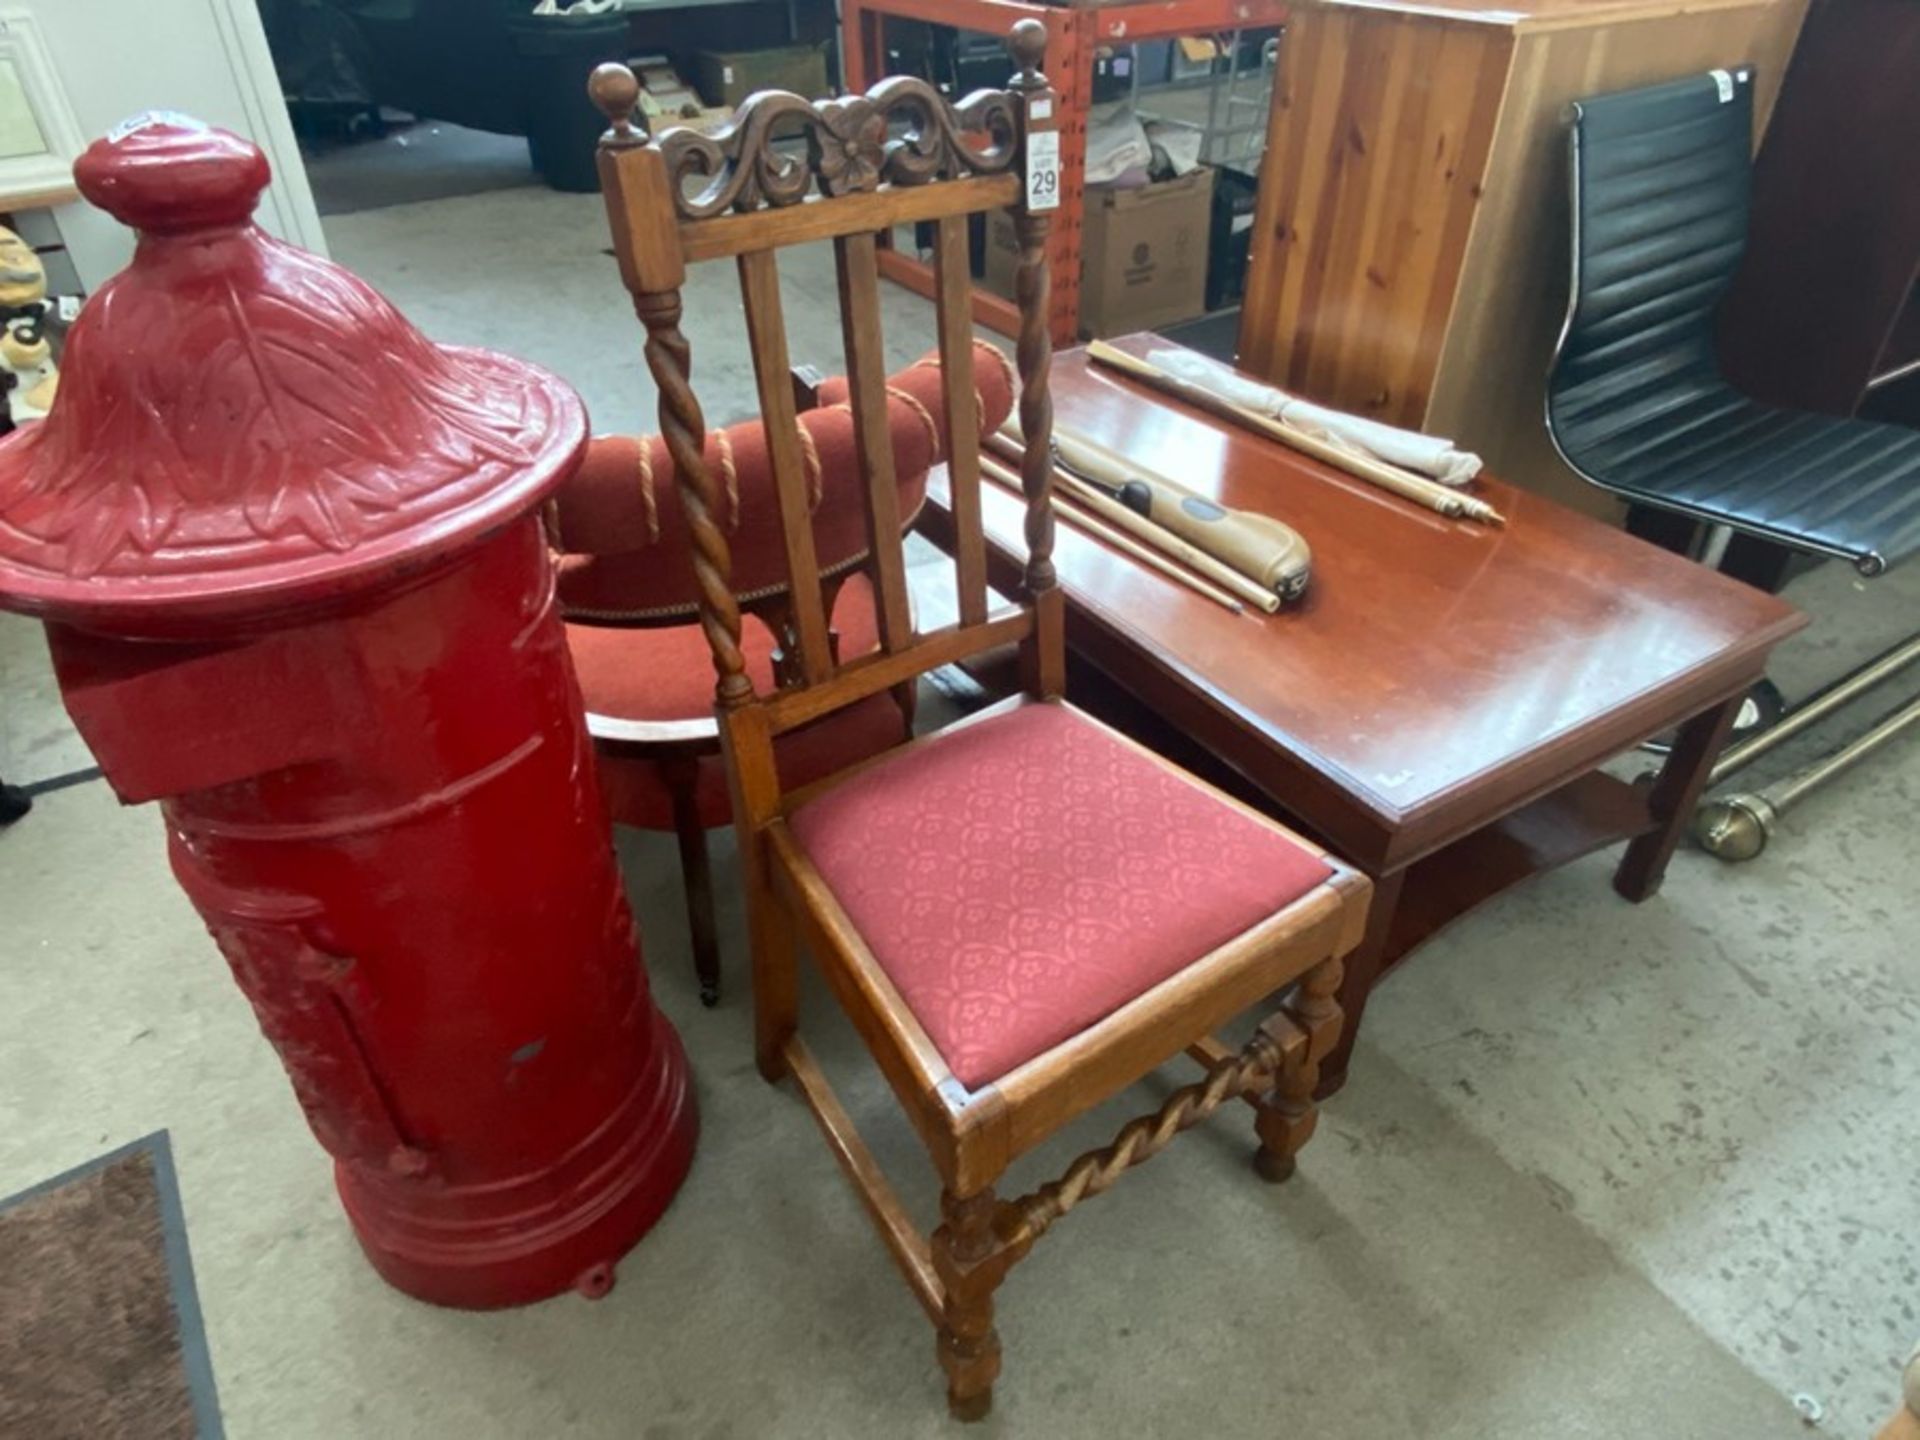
39	137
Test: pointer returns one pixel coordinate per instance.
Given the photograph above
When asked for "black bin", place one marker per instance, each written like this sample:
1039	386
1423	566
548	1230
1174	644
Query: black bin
557	53
1230	237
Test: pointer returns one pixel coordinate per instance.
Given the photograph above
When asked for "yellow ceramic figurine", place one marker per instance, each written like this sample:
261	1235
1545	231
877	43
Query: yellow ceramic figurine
26	359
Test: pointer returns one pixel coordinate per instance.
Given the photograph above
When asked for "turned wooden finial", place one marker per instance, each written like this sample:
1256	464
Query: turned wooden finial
1028	45
615	93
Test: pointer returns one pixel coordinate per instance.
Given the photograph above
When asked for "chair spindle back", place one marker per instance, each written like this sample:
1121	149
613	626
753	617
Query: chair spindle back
898	155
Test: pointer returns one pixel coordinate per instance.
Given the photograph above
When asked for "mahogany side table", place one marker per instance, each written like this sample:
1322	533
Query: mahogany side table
1438	706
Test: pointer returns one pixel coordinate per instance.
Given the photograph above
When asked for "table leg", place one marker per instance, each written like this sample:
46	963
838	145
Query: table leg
1676	791
1362	970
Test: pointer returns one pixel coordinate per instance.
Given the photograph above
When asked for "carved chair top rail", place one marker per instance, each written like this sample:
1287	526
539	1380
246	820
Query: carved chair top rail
729	234
901	133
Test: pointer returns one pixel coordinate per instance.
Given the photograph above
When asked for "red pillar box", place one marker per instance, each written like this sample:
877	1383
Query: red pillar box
296	590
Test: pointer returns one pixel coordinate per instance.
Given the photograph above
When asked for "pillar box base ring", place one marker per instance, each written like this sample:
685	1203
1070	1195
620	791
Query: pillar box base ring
489	1247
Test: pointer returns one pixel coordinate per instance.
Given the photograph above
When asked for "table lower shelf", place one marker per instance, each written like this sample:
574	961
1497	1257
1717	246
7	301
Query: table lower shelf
1583	816
1587	813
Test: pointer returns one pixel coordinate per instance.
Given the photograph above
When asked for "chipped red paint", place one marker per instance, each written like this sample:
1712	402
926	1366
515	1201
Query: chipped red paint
296	591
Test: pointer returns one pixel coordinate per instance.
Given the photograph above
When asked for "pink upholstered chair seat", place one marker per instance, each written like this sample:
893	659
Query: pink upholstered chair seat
1022	877
666	673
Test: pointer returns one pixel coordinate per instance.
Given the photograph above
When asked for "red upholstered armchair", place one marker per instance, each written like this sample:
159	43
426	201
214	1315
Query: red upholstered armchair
627	590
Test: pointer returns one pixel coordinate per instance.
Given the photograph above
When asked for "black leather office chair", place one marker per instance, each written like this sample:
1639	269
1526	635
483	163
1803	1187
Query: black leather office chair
1636	403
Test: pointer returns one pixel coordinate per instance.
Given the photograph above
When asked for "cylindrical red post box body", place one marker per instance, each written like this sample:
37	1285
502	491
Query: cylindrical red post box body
297	591
389	823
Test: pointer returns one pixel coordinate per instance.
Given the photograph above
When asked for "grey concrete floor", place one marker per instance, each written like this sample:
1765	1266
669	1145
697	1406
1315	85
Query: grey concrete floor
1600	1170
415	161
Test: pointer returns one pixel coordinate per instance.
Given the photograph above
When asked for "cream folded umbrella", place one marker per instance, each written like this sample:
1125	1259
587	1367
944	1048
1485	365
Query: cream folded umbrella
1409	449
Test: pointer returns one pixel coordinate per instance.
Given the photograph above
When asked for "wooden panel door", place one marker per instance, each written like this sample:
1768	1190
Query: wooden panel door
1381	126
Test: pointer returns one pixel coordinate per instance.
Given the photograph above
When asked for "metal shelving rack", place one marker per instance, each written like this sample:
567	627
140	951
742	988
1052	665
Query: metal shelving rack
1074	31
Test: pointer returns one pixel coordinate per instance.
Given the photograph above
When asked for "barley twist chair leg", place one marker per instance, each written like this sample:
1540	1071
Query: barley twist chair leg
1288	1114
971	1264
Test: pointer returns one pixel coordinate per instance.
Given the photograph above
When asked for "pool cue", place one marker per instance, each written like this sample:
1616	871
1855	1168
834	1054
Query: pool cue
1121	518
1442	499
1119	540
1267	551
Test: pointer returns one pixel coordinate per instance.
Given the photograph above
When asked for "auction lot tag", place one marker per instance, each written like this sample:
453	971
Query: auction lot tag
1043	170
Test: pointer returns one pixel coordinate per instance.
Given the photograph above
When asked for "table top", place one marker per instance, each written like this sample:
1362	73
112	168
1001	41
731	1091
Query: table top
1437	674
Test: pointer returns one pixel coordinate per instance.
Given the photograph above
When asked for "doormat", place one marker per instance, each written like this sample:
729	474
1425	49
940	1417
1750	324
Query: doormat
100	1331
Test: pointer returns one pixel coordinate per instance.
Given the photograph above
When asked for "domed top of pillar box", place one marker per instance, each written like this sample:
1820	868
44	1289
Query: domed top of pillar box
244	429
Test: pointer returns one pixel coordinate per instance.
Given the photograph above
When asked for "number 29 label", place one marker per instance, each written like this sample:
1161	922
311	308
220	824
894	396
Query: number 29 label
1043	170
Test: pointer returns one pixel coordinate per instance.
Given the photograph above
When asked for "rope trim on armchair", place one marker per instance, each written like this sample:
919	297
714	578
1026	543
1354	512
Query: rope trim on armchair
647	501
730	476
1006	369
689	609
926	419
810	463
932	362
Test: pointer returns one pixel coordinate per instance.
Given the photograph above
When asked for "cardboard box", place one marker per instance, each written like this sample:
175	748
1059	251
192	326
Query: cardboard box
705	119
1194	56
1143	254
726	77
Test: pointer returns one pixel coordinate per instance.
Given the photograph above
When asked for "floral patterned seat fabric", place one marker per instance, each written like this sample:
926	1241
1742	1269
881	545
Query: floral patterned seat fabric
1024	876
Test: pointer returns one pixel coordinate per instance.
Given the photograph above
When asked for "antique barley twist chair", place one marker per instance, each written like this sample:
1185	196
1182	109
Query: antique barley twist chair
1024	913
630	597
